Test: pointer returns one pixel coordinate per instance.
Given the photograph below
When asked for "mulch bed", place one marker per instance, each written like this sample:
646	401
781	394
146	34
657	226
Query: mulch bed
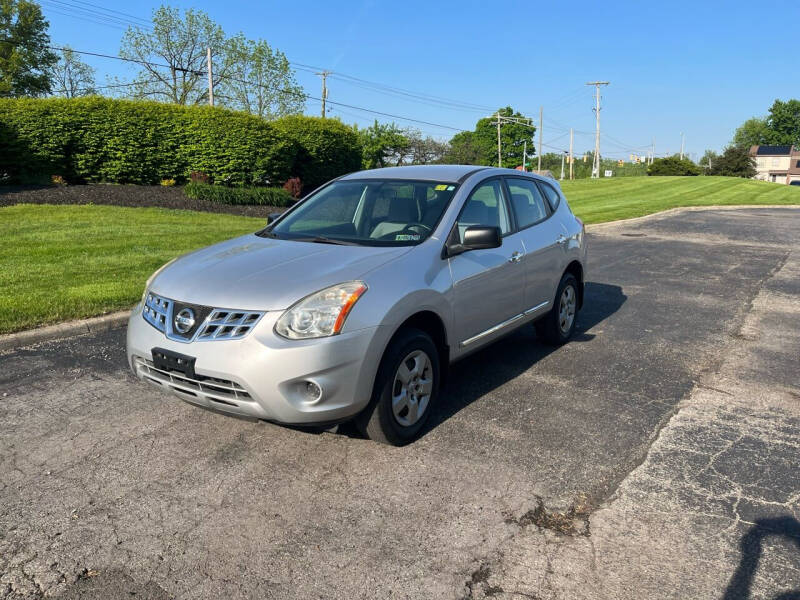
123	195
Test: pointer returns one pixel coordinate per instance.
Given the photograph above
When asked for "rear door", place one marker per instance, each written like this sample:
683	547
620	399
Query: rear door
543	238
488	285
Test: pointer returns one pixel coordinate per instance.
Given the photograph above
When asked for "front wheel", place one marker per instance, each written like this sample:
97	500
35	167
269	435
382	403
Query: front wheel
559	324
406	388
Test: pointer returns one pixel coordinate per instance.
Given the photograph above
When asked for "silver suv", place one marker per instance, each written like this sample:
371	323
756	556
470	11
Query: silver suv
351	305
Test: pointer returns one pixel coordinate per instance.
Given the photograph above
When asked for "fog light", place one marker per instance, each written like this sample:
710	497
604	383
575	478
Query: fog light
311	391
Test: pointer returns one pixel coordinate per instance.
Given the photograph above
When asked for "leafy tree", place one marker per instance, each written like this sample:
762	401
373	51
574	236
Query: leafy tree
673	165
752	132
462	150
261	81
181	44
424	150
709	158
71	77
383	144
784	122
735	162
24	54
481	146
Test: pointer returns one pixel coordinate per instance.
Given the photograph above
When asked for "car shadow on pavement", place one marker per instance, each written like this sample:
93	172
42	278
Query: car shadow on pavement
751	546
482	372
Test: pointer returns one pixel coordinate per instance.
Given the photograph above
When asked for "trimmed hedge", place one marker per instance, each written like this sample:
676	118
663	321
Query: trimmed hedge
124	141
327	148
260	196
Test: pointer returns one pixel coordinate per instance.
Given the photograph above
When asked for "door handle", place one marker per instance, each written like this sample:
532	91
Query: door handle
515	257
561	239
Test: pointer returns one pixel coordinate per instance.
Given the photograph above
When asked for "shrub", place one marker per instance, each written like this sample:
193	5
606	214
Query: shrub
734	162
294	186
259	196
673	165
167	182
327	148
122	141
57	180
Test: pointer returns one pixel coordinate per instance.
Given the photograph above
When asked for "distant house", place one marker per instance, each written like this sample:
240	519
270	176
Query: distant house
779	164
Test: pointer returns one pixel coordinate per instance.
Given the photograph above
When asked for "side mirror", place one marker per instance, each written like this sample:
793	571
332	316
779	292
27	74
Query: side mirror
272	217
479	237
476	237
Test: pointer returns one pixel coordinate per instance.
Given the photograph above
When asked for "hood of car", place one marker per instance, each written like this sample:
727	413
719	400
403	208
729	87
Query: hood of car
255	273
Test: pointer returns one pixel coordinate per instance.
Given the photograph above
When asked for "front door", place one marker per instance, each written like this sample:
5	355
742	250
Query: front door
543	238
488	285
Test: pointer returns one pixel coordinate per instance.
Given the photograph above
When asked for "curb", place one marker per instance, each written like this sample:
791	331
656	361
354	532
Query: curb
680	209
12	341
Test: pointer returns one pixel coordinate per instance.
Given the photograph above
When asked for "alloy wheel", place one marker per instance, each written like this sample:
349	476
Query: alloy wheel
412	387
566	309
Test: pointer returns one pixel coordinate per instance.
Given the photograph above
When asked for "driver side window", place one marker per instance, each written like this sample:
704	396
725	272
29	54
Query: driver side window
484	207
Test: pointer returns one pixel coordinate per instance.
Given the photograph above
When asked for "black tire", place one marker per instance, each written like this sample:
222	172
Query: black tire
549	328
378	421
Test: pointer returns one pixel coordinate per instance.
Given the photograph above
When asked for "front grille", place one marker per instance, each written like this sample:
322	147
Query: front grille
217	390
228	325
157	311
211	324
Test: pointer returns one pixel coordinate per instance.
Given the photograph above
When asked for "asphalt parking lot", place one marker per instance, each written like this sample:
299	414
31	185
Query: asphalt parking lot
657	455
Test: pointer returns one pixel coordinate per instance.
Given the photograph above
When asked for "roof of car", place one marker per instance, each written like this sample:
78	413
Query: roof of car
444	173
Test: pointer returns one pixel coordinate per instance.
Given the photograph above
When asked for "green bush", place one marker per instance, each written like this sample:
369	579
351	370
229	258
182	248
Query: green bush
261	196
327	148
673	165
122	141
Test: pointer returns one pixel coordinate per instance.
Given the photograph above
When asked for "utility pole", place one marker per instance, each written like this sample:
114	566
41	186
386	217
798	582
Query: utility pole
499	153
596	165
563	154
324	75
571	159
682	140
210	78
524	155
541	114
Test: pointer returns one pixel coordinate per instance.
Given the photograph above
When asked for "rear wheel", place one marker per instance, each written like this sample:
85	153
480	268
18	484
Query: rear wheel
406	388
559	324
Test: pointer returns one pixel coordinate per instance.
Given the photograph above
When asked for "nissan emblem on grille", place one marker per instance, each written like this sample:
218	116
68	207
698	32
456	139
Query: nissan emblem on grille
184	320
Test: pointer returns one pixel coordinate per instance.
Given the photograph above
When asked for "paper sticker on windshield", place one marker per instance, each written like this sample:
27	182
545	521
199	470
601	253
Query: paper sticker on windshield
441	187
407	237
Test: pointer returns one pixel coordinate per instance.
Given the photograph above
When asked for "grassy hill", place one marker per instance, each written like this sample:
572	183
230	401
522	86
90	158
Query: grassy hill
600	200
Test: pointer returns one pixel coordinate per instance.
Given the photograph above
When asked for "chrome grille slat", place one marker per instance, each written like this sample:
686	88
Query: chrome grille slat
221	323
157	311
220	390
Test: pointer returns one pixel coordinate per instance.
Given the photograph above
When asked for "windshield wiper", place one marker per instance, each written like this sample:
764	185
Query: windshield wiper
321	239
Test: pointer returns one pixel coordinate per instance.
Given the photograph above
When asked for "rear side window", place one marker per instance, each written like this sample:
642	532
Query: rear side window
484	207
552	196
527	201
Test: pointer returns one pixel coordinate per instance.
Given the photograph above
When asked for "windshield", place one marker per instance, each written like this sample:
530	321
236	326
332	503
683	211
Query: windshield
373	212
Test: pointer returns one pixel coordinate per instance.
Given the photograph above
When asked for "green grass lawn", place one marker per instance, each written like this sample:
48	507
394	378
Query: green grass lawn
600	200
66	262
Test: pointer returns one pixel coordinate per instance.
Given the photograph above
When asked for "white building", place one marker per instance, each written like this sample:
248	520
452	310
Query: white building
779	164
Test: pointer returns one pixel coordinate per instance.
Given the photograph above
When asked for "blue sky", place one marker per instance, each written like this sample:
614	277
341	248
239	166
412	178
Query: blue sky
700	68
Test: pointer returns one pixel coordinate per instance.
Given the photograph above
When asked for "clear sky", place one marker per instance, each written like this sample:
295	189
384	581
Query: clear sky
700	68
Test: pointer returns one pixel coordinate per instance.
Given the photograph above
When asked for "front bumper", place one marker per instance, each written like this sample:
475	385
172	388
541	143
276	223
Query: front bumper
263	376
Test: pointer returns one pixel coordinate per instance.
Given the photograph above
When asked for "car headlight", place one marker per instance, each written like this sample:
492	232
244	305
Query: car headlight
321	314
